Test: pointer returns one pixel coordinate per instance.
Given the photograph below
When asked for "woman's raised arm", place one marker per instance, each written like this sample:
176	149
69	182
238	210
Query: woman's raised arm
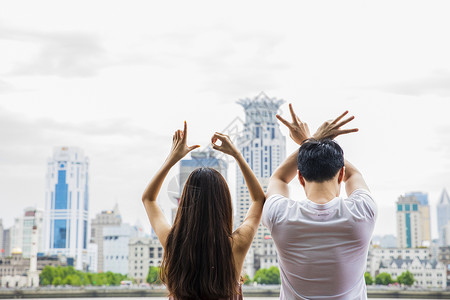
244	234
154	212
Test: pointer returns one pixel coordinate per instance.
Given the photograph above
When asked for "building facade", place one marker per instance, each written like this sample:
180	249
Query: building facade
67	205
427	273
383	256
409	223
21	231
102	220
115	251
144	252
264	148
443	219
6	243
424	210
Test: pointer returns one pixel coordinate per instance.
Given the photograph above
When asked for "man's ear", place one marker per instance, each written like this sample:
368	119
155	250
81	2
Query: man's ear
341	175
300	178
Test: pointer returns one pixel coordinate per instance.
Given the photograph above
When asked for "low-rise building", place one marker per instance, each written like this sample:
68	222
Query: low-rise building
115	247
144	252
14	270
427	273
266	256
377	256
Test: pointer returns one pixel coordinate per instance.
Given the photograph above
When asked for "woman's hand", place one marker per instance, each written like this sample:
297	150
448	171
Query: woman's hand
179	145
226	146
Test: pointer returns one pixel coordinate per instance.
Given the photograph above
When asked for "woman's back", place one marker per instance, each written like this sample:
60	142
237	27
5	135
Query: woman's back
203	257
198	260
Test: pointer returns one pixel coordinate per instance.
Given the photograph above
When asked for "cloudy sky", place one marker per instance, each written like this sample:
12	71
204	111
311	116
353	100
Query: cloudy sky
116	78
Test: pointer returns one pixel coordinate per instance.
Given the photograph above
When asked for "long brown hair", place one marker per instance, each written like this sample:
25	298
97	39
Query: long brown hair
198	260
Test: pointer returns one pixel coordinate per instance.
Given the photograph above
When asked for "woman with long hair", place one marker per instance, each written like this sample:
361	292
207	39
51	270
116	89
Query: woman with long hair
203	257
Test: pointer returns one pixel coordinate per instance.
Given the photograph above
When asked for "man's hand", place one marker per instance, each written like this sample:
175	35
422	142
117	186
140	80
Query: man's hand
298	130
331	129
226	146
179	145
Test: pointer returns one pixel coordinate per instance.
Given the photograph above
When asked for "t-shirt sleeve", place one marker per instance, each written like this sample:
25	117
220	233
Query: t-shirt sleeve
271	210
362	205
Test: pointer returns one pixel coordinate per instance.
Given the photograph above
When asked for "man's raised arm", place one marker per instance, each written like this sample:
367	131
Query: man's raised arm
278	182
353	179
299	132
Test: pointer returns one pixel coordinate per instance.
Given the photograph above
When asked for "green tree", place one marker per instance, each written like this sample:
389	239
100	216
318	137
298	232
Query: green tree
153	275
56	281
46	276
406	278
68	275
267	276
384	279
247	280
368	278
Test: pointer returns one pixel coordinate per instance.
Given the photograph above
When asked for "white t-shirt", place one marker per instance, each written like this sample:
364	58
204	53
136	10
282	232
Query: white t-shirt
322	248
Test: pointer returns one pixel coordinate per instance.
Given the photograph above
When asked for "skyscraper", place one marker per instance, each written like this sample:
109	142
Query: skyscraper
264	148
409	223
424	210
67	204
443	217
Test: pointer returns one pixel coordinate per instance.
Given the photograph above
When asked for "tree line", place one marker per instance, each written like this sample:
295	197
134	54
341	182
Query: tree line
262	276
69	276
406	278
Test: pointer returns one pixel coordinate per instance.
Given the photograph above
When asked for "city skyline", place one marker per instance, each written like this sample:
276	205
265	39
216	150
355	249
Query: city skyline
119	90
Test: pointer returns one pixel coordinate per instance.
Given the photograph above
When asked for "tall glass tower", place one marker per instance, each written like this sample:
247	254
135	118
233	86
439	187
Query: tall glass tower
67	204
264	148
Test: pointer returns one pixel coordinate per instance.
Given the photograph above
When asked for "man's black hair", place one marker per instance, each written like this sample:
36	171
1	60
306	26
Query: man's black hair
320	161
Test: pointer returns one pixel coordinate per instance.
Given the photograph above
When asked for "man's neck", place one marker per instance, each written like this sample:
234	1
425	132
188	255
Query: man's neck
323	192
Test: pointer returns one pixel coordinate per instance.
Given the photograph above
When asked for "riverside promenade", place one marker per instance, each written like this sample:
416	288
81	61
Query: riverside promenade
249	291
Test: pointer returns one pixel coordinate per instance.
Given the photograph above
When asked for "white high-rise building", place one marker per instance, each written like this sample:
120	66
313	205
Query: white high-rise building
264	148
22	231
67	205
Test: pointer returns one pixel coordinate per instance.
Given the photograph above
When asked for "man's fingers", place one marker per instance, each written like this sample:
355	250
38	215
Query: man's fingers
340	117
346	131
283	121
340	124
293	115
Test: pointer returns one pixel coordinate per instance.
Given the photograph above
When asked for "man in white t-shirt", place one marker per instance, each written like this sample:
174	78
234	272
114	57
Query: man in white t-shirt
322	242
